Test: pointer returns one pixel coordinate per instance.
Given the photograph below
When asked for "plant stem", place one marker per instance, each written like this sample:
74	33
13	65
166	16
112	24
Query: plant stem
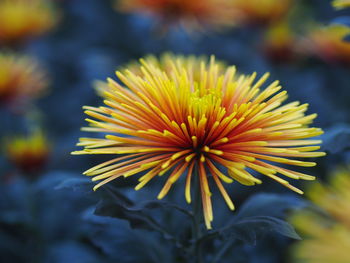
222	252
196	221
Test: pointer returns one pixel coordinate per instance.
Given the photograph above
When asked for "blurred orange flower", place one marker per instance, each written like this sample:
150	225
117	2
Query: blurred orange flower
194	14
28	153
328	43
21	78
279	42
24	19
262	11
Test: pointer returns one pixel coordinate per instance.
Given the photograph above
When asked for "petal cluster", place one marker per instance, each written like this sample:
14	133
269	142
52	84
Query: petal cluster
326	229
180	117
21	78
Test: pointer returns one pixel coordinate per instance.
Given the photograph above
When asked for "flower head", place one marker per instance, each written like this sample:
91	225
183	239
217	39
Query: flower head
192	14
23	19
279	42
328	43
326	230
340	4
185	117
262	11
21	78
28	153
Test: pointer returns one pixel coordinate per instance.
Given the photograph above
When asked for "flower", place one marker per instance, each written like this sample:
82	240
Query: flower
21	78
262	11
340	4
327	43
24	19
28	153
326	229
279	42
184	117
194	14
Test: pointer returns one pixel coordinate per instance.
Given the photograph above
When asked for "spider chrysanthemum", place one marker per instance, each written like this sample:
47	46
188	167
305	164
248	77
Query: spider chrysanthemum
326	229
194	14
21	78
23	19
186	117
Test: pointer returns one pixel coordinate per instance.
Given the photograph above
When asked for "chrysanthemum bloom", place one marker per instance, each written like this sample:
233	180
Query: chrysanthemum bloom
21	78
185	117
24	19
325	230
279	41
340	4
262	11
328	44
194	14
28	153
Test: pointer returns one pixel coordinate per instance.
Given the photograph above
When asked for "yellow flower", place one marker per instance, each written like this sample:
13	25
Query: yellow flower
279	42
326	229
23	19
262	11
339	4
28	153
21	78
194	14
328	43
184	117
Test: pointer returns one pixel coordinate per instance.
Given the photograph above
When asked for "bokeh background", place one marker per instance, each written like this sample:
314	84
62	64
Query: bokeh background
47	206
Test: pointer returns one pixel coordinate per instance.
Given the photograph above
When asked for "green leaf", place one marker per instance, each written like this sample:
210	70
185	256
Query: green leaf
267	204
260	214
118	206
250	229
337	138
76	184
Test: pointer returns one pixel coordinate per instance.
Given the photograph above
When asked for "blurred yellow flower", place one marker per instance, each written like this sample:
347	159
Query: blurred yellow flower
279	42
194	14
21	78
24	19
263	11
184	117
328	43
326	230
28	153
339	4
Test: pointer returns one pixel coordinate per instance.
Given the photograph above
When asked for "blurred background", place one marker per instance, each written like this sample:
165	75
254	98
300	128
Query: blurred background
51	52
